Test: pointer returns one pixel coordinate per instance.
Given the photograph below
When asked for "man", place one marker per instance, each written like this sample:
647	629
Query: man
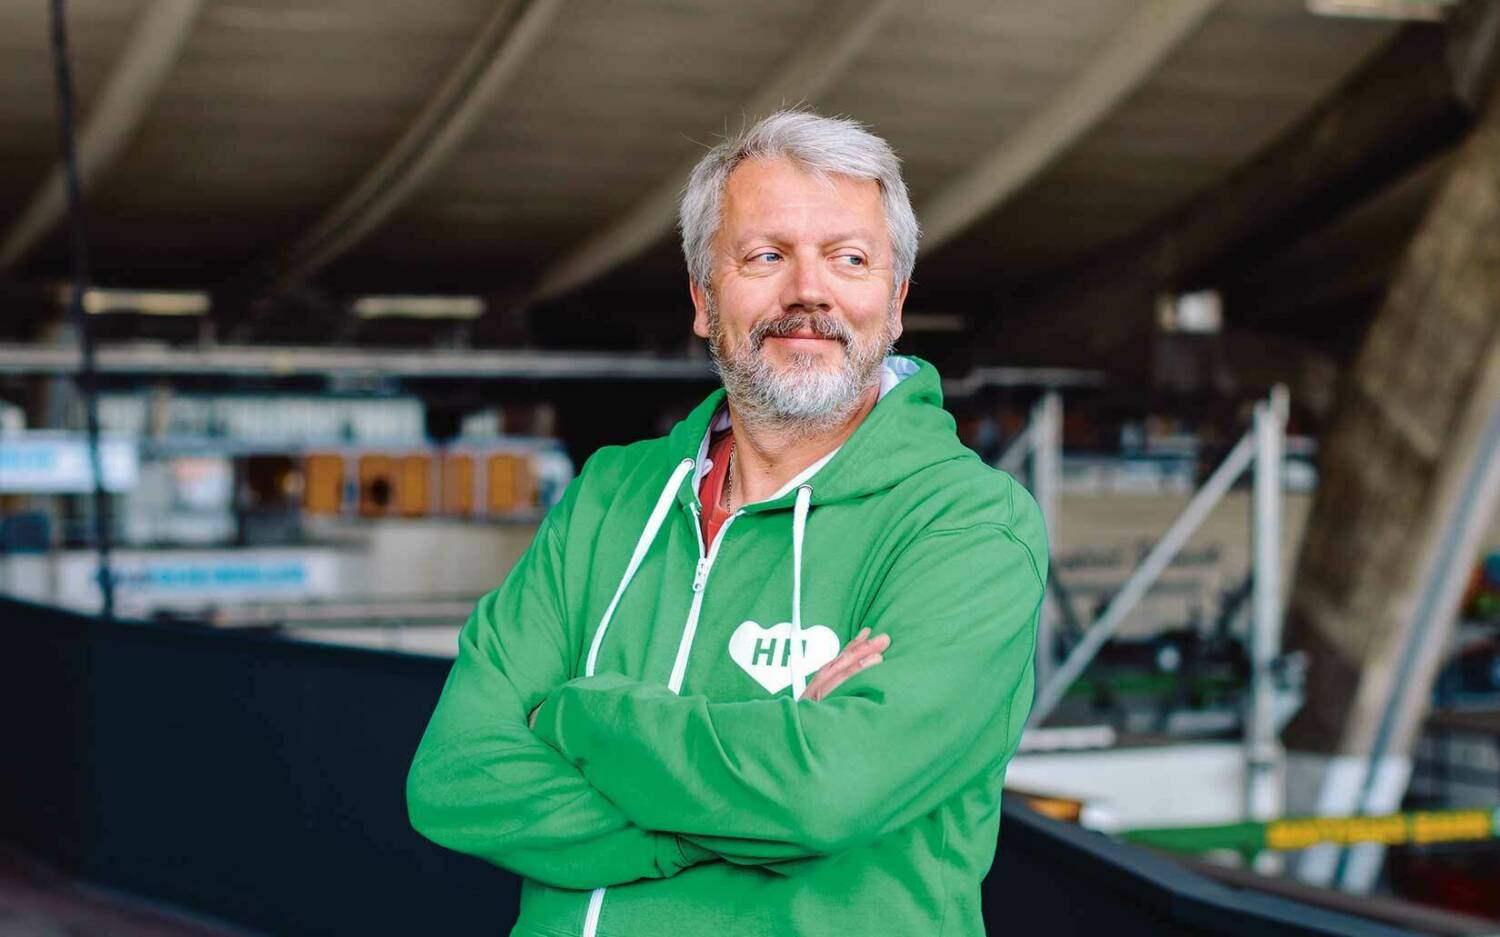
778	660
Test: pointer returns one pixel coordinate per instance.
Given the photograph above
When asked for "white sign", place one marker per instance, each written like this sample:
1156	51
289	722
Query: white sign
52	463
193	578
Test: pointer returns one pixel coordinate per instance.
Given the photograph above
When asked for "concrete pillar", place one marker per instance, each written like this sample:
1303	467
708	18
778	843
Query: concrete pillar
1397	470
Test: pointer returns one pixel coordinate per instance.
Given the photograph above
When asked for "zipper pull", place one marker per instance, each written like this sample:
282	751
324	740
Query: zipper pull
700	575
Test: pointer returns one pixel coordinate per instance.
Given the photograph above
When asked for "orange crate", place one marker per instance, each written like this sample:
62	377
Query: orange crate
323	489
458	484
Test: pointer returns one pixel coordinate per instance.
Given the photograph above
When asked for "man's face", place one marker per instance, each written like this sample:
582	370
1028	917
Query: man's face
804	302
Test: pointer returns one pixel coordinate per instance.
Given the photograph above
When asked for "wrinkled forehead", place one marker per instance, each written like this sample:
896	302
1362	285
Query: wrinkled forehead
783	201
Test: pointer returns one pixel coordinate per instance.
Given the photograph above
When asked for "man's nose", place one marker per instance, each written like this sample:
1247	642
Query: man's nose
806	287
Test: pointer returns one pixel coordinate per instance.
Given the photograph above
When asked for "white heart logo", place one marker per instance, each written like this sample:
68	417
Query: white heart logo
766	653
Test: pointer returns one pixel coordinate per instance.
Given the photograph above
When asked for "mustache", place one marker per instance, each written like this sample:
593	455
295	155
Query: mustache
820	325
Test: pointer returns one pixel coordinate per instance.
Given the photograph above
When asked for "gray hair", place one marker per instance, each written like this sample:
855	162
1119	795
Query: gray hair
819	145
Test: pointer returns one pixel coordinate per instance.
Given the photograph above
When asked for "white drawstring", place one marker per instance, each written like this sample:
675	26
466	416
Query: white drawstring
642	544
648	534
799	525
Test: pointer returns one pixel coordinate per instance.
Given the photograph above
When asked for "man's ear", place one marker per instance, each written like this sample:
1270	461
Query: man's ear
899	305
700	307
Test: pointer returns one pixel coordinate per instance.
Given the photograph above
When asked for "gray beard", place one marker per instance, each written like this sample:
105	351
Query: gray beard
805	399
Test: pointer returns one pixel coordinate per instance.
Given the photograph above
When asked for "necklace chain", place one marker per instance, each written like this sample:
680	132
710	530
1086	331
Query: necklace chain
729	478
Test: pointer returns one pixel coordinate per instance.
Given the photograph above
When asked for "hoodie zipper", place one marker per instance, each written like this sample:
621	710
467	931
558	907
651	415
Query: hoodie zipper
679	666
700	582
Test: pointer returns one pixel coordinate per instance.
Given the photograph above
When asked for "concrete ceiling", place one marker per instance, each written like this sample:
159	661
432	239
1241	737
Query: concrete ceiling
489	146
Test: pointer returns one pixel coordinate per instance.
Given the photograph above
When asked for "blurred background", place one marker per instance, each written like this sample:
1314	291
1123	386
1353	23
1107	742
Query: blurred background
312	308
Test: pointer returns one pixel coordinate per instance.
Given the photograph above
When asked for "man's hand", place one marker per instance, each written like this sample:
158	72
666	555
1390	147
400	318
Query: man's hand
858	654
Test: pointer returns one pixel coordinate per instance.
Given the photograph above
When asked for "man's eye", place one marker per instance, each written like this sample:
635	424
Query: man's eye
766	256
852	260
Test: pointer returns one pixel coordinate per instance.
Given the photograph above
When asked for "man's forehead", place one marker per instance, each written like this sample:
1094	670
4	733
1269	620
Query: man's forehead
777	198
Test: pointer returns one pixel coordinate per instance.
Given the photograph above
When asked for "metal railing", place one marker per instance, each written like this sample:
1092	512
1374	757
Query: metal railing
1261	449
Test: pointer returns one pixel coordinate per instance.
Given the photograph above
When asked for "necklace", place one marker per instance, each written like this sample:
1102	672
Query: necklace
729	479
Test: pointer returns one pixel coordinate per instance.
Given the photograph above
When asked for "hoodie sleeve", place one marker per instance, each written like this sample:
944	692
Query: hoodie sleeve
773	779
482	783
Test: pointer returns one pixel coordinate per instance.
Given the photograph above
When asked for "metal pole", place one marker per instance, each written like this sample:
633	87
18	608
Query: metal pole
1046	469
1426	638
87	376
1145	574
1263	796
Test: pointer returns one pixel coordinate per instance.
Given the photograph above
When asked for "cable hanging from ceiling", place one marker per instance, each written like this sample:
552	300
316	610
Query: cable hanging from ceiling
87	375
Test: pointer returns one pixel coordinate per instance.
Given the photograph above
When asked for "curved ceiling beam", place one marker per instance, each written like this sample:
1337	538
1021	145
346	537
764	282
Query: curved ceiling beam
128	93
845	30
1125	62
466	95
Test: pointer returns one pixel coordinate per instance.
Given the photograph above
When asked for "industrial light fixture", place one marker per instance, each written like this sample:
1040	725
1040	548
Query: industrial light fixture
419	307
1200	313
145	302
1422	10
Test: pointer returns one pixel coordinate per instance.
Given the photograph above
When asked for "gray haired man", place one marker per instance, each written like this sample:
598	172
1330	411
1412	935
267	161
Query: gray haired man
762	675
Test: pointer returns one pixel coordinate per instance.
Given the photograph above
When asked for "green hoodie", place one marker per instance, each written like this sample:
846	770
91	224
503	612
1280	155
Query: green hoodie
673	783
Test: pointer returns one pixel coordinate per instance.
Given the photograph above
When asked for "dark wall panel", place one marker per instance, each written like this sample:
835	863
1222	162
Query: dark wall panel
262	781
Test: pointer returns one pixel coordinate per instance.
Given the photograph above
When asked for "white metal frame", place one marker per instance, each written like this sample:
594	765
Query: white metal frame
1040	445
1262	449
